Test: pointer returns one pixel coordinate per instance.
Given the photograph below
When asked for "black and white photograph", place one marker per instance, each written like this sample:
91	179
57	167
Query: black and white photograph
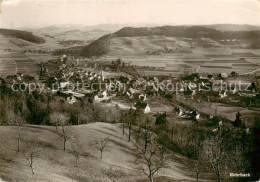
129	91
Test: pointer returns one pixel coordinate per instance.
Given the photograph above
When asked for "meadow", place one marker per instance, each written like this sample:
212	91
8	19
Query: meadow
52	162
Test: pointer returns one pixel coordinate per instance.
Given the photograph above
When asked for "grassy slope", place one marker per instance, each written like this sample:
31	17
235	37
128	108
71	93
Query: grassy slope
139	45
54	164
24	35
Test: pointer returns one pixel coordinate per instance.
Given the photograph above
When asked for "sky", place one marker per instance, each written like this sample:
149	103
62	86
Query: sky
39	13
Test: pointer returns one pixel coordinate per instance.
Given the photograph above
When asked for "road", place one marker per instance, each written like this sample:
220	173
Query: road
197	69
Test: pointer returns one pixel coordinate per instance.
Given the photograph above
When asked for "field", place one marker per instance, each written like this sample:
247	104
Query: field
182	58
37	58
13	63
54	163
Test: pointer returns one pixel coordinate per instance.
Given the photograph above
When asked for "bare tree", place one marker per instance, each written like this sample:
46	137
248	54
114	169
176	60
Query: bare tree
74	174
16	118
144	133
112	174
152	159
122	119
78	149
131	117
66	133
30	151
19	125
101	144
61	119
57	118
200	165
218	156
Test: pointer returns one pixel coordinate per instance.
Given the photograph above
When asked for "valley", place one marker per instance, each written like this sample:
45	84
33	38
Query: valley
129	103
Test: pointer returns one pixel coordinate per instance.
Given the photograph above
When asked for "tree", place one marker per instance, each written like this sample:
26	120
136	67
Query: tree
112	174
30	152
66	134
57	118
122	119
152	159
218	154
215	154
161	119
193	116
254	155
233	73
131	117
101	144
144	133
118	63
19	123
16	118
61	119
200	164
73	174
237	121
210	76
78	149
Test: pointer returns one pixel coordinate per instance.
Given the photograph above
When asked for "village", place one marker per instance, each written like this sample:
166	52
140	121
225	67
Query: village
190	96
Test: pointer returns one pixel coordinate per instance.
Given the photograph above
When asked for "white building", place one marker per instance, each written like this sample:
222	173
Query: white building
71	100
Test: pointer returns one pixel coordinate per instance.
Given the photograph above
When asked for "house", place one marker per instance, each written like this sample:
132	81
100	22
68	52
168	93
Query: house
180	112
197	116
142	97
223	94
64	83
142	106
19	76
224	75
71	100
102	96
131	91
234	90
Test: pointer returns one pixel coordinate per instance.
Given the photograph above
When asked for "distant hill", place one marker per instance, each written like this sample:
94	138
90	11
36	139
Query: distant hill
233	27
103	45
188	32
28	36
98	47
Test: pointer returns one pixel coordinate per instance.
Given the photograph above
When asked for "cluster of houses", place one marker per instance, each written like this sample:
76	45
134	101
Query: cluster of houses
136	90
